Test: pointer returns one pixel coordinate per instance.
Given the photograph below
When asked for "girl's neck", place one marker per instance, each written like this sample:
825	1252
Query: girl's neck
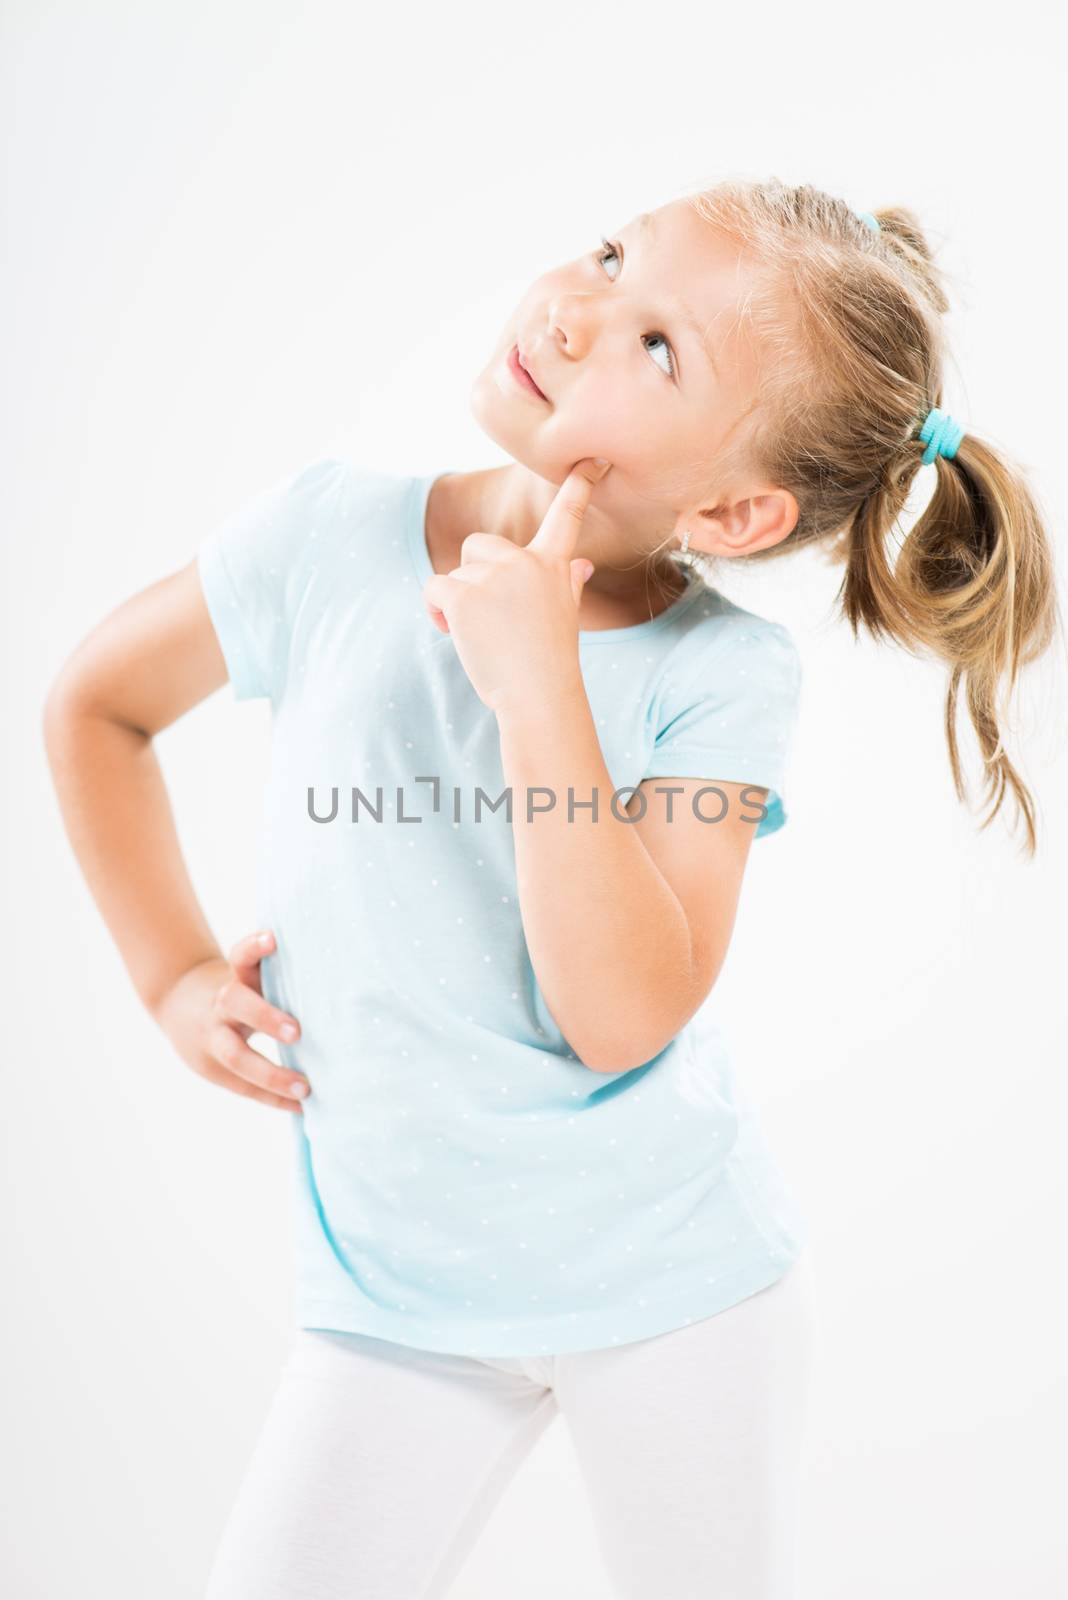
498	500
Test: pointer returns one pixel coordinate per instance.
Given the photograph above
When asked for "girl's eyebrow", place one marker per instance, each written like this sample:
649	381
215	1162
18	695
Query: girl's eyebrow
686	316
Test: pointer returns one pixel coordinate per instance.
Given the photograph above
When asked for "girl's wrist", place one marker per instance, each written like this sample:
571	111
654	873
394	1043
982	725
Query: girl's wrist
546	698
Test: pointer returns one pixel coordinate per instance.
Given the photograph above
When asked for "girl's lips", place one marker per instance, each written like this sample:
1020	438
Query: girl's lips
521	375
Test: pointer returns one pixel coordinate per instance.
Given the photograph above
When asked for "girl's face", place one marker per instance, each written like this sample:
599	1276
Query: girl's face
636	348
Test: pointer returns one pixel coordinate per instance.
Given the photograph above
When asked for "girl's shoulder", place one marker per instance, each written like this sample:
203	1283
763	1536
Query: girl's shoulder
307	542
334	482
716	630
312	514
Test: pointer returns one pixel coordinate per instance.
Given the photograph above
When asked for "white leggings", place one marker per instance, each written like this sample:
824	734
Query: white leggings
378	1464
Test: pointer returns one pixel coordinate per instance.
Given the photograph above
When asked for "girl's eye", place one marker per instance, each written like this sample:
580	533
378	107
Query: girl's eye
612	250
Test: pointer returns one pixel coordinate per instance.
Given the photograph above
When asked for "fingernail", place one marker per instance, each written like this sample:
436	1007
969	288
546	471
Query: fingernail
287	1031
602	465
299	1089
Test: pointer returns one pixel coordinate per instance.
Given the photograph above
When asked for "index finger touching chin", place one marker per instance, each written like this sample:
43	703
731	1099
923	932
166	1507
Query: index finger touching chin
560	526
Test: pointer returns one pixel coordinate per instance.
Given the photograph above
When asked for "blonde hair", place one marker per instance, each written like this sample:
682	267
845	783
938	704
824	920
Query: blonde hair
847	320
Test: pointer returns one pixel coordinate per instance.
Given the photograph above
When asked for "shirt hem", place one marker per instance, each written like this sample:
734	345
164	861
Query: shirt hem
564	1333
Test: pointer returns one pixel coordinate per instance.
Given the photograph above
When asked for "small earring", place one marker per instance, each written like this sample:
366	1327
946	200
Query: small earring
684	543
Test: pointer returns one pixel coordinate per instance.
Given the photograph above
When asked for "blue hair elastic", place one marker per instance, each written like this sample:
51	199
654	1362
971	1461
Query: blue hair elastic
942	435
873	222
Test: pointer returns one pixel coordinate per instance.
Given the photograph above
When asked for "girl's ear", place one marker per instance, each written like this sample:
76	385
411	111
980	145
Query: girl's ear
764	518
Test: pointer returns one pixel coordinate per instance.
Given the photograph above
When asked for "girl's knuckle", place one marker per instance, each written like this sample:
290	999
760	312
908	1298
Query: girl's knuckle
232	994
228	1050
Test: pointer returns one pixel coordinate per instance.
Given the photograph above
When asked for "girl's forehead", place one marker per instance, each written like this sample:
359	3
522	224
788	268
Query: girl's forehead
676	244
705	274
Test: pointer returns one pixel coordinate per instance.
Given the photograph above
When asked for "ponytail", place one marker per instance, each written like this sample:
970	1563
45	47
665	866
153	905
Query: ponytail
973	583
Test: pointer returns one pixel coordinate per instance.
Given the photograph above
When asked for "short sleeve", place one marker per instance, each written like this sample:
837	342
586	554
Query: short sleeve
734	718
254	569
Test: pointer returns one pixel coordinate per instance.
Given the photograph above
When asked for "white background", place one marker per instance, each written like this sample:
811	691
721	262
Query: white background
244	236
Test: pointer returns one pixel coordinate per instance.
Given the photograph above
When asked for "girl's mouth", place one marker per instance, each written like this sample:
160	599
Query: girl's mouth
521	375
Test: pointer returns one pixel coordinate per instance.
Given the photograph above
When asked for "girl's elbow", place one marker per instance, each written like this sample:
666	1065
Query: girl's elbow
600	1052
634	1050
618	1061
640	1042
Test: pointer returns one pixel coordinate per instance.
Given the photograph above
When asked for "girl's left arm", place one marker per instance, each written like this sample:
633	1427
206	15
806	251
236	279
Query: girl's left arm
627	922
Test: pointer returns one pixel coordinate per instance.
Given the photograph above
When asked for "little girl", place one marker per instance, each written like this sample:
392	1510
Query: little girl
521	748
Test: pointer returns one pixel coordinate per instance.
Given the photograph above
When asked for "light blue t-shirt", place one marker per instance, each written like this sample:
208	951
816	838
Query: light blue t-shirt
463	1182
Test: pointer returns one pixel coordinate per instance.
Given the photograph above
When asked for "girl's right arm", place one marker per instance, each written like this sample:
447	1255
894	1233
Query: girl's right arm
151	659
